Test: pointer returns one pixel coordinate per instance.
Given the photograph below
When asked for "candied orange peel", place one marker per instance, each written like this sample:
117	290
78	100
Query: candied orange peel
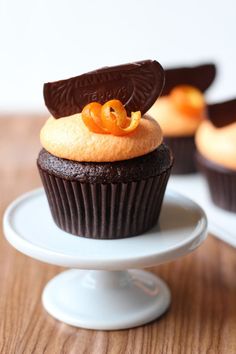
188	100
110	118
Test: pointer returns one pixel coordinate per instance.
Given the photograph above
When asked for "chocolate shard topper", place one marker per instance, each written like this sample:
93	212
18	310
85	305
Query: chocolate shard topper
222	114
136	85
200	77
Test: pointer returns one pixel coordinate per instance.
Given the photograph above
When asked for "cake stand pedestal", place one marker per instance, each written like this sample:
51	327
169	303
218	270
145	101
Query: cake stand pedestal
100	293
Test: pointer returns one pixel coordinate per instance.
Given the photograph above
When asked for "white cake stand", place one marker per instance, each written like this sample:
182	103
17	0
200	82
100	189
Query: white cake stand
103	294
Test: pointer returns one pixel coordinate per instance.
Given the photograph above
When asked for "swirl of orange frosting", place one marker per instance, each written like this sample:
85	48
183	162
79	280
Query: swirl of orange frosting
177	118
69	138
217	144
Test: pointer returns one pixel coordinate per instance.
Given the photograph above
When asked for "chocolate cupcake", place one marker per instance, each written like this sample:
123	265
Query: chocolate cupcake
180	111
216	153
105	173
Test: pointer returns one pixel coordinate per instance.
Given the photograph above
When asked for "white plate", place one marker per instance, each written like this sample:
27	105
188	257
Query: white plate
222	223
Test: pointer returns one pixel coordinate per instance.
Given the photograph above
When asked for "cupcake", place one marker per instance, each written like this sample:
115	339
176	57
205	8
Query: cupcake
216	153
180	111
104	165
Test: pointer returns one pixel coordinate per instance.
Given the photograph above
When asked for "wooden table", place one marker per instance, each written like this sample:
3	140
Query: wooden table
202	316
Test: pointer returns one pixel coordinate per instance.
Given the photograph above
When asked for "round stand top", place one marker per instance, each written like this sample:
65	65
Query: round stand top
29	227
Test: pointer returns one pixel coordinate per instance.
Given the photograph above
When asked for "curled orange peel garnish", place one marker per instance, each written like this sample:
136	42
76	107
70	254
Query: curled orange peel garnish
188	100
111	118
91	116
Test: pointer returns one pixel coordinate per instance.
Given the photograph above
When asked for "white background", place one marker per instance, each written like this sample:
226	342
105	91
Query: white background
47	40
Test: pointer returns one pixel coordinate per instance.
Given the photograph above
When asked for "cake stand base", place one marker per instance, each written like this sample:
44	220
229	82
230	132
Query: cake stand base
106	300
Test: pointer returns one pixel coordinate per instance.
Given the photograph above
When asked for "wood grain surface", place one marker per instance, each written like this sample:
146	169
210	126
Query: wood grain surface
202	316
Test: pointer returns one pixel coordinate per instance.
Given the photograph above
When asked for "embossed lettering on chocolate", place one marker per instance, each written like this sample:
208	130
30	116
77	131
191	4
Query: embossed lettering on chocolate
136	85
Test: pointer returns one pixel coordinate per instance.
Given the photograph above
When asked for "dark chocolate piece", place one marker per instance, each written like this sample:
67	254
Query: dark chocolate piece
200	77
136	85
135	169
222	113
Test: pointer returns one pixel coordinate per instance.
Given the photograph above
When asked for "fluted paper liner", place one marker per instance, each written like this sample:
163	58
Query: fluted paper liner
105	211
184	150
221	182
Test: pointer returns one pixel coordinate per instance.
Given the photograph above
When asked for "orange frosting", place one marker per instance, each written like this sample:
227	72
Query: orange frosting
217	144
179	113
71	139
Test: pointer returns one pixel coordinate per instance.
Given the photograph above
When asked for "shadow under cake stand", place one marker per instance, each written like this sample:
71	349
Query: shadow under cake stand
100	293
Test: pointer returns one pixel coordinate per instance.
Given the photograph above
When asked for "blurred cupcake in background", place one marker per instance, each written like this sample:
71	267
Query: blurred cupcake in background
216	156
180	111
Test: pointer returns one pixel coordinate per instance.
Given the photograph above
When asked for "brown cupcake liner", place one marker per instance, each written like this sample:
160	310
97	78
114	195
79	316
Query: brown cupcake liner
221	182
183	149
105	211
